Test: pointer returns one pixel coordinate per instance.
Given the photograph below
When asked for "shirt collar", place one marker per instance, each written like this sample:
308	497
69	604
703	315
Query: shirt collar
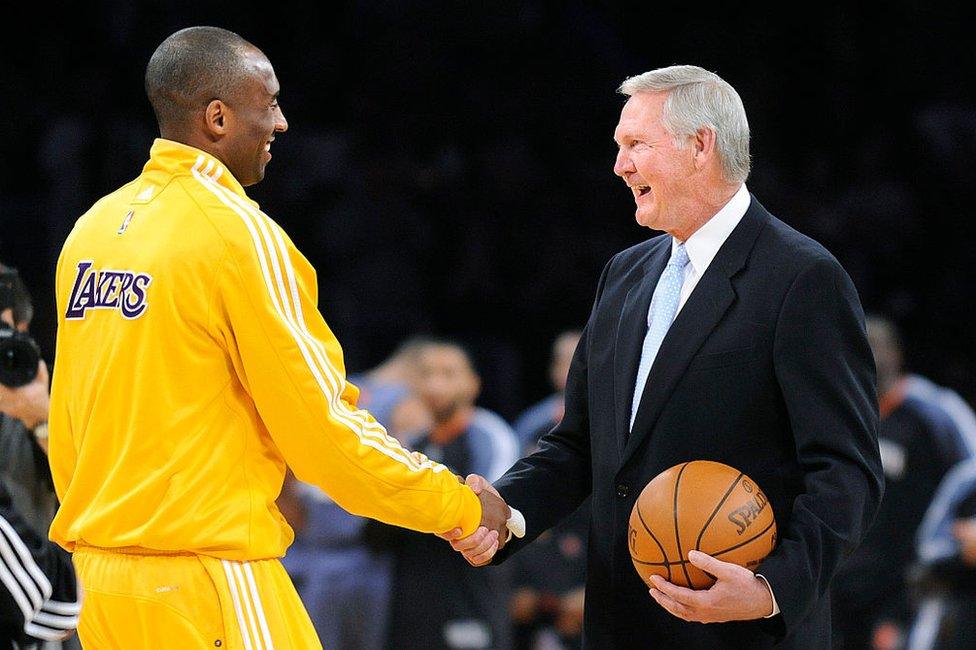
705	242
168	158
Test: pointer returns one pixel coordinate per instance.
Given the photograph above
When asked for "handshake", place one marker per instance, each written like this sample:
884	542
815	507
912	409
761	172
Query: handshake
498	524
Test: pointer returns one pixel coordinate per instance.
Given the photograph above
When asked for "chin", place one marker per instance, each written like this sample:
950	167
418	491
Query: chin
254	179
647	220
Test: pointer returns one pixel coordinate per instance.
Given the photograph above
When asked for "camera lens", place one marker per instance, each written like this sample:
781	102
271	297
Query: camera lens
19	357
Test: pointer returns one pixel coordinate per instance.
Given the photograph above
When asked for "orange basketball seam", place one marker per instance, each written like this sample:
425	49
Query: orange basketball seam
664	564
744	542
715	512
664	554
677	533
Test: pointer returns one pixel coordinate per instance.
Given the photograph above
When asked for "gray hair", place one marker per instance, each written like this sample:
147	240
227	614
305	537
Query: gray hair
699	99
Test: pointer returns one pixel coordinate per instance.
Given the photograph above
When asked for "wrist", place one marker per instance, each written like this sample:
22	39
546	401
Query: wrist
770	606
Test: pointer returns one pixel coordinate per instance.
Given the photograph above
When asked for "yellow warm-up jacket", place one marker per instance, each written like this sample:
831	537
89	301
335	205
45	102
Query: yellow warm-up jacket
193	364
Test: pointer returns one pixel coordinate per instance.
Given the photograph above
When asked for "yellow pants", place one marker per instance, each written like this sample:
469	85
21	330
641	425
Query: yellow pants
188	602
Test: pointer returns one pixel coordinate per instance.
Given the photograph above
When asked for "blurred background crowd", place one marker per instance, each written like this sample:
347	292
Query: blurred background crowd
448	172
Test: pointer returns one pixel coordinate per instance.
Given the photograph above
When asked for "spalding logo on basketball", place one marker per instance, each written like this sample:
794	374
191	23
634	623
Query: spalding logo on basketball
699	505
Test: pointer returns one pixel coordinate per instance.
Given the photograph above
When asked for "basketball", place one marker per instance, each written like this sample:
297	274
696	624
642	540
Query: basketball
699	505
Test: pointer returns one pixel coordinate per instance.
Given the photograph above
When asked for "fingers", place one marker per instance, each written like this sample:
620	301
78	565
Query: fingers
672	606
494	511
479	547
451	534
473	541
717	568
477	483
736	595
464	544
480	559
677	600
681	595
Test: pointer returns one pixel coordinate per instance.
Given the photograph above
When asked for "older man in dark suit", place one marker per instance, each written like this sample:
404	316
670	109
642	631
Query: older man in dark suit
731	338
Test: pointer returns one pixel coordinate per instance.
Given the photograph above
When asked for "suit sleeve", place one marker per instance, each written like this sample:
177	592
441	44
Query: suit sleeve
38	589
291	364
826	374
550	484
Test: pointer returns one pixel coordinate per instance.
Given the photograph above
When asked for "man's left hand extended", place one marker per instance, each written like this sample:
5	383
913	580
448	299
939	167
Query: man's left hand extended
737	595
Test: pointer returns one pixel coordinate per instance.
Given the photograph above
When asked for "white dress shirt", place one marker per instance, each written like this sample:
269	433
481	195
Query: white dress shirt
704	243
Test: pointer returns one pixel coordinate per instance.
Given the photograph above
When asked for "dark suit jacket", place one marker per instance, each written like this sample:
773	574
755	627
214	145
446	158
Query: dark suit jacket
766	368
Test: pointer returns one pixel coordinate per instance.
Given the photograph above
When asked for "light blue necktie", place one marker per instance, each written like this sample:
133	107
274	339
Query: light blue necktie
664	306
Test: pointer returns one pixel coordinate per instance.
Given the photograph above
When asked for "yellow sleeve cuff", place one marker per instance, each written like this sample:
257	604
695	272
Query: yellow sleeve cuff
470	511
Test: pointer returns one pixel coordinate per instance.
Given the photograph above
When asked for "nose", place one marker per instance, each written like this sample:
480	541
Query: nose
281	124
623	164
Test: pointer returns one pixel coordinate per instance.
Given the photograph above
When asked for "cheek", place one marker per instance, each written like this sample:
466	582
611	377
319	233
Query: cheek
648	166
662	172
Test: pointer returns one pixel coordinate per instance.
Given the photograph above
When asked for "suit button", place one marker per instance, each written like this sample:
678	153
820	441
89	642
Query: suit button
622	490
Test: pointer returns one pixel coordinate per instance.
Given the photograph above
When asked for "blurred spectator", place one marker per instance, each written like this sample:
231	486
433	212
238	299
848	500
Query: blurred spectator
343	579
38	592
31	611
948	400
947	553
548	581
542	416
439	601
390	391
919	443
549	575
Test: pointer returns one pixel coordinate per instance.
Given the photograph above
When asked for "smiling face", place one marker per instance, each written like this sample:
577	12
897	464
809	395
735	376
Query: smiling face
661	176
252	118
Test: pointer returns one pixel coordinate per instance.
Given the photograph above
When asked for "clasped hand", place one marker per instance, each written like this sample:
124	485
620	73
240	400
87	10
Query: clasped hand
737	595
480	547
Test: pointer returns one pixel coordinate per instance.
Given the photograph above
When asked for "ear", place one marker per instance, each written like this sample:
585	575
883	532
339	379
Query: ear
217	117
704	142
475	386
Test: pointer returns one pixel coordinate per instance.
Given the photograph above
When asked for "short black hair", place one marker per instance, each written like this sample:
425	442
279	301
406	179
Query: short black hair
191	68
427	343
14	295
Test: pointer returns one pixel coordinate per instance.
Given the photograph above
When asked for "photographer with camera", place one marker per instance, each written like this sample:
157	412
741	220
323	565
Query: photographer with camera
38	592
23	376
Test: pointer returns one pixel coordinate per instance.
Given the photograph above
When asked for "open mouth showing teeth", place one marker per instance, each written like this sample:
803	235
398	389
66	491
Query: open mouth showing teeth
643	190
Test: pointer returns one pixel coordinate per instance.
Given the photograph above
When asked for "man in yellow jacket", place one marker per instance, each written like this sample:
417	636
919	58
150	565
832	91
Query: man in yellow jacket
192	366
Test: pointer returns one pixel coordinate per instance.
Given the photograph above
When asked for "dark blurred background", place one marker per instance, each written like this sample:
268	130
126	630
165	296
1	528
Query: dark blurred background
448	165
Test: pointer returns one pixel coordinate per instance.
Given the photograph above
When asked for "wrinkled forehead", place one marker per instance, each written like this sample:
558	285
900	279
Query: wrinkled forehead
640	114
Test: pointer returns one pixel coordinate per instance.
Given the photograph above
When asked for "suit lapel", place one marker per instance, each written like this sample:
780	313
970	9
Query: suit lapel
703	311
631	330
